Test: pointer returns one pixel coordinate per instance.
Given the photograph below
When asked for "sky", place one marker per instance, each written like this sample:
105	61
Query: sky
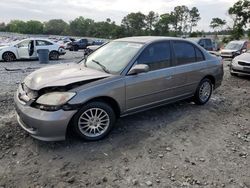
99	10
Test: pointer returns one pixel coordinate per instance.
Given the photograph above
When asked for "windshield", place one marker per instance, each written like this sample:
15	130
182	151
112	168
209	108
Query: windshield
112	57
233	46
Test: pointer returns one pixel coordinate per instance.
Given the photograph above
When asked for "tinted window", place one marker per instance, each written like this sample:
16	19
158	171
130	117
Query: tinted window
199	55
156	56
184	53
208	42
42	43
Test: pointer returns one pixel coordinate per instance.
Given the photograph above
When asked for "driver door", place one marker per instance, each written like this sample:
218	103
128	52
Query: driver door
155	86
23	49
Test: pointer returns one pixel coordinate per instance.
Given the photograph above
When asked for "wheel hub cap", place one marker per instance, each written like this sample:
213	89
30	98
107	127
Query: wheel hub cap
93	122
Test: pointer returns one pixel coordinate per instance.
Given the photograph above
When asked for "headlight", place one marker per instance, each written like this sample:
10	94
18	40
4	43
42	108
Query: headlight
55	98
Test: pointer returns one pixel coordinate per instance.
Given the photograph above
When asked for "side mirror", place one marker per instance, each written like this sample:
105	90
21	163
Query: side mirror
139	68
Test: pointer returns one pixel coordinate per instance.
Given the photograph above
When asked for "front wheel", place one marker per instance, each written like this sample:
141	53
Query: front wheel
203	92
9	56
94	121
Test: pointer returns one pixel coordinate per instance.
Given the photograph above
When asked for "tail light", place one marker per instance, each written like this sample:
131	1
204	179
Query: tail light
62	47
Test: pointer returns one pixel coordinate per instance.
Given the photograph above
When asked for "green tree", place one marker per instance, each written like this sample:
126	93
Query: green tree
151	19
2	26
194	17
56	27
134	24
162	27
81	26
217	24
16	26
240	13
34	27
180	17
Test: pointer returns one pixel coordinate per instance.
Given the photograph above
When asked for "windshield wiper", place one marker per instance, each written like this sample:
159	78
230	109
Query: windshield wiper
101	65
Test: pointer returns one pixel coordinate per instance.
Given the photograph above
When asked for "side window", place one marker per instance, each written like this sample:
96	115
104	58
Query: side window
184	53
199	55
23	44
156	56
42	43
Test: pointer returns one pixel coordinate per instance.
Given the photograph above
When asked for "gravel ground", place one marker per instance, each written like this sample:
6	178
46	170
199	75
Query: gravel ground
178	145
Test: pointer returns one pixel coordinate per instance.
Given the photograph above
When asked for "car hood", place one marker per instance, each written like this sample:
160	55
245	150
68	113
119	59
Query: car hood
243	57
61	75
4	46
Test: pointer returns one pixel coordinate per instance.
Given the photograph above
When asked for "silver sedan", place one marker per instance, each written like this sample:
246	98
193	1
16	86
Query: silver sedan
120	78
241	64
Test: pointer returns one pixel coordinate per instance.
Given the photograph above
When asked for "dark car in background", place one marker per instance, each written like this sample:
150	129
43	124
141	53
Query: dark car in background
206	43
234	48
79	44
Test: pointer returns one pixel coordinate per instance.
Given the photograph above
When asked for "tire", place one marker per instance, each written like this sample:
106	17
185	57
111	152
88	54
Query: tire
75	48
92	128
9	56
53	55
203	92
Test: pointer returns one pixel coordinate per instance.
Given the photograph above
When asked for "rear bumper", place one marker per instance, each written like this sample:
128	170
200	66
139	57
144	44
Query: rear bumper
43	125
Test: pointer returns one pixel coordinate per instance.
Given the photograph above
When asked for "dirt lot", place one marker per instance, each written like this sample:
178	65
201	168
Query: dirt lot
179	145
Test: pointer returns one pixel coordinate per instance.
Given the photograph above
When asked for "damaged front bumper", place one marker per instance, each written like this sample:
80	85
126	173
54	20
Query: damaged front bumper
43	125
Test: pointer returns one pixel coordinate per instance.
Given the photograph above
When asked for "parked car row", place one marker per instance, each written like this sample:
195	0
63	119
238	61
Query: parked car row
28	49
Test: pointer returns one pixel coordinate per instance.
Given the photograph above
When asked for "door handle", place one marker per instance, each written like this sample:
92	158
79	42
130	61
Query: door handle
168	77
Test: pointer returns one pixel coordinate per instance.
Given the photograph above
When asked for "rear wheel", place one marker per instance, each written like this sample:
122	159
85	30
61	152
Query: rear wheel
53	55
9	56
94	121
203	92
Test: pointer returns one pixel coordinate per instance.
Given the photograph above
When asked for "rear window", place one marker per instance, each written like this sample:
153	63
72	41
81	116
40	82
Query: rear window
187	53
42	43
184	52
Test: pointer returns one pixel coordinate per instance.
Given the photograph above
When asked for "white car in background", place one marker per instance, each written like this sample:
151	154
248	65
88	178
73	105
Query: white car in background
27	49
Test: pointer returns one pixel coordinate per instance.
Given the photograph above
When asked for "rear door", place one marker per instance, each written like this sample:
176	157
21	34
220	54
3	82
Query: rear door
189	67
43	44
156	85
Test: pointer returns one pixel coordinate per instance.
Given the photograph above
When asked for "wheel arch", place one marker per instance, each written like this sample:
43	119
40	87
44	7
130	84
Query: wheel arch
10	52
210	77
108	100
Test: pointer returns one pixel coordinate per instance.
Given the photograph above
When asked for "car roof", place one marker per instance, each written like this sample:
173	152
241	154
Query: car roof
32	38
147	39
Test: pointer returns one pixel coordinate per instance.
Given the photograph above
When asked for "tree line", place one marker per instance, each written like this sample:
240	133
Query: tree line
179	22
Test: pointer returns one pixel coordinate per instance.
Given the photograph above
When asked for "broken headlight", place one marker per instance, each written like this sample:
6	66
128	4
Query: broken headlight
55	99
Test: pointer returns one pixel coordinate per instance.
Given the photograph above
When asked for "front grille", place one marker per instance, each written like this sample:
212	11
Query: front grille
243	63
